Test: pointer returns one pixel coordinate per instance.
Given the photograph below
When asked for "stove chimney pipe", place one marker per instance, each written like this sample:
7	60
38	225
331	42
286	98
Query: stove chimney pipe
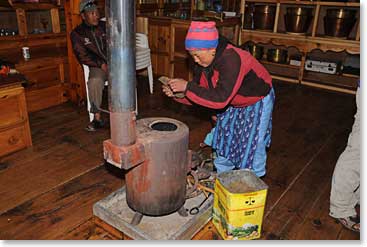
122	74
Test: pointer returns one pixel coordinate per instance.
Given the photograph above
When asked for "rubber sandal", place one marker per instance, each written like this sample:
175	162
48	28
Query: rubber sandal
350	223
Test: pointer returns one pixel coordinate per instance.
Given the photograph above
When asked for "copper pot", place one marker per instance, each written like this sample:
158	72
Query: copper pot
339	22
264	16
277	55
297	19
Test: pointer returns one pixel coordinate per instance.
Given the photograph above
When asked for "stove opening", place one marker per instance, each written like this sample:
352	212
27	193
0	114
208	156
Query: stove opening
163	126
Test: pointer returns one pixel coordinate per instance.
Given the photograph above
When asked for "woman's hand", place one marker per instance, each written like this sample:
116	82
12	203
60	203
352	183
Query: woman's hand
178	85
167	91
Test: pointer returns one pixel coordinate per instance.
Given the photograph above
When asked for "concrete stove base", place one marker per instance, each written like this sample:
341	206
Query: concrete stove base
114	211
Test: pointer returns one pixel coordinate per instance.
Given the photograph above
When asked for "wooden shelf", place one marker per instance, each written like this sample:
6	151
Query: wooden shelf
36	86
47	67
283	78
288	66
32	36
350	75
331	79
328	87
34	6
39	55
303	43
307	43
27	6
336	4
314	84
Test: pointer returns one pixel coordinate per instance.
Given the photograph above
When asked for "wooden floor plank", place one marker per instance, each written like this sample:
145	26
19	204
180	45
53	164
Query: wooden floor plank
88	231
291	211
297	137
53	214
20	183
346	234
317	224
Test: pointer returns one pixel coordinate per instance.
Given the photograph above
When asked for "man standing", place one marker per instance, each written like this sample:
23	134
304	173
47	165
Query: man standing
89	45
345	185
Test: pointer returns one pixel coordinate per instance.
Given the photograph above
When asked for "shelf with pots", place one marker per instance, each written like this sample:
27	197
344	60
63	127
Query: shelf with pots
306	25
288	63
277	59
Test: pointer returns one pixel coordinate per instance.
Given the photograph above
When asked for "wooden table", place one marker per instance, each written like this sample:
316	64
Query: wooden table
14	125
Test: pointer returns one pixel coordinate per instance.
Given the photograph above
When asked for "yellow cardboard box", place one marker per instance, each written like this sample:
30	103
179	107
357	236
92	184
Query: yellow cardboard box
239	203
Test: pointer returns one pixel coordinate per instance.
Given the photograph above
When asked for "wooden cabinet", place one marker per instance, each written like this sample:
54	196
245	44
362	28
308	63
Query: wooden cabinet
159	43
164	7
40	27
147	7
181	61
46	75
306	44
183	8
14	125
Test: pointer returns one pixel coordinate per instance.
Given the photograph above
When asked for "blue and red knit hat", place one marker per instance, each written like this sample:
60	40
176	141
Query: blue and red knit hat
201	36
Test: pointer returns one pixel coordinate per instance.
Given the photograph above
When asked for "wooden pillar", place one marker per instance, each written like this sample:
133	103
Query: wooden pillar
142	25
277	11
315	20
76	73
22	22
302	67
358	31
55	20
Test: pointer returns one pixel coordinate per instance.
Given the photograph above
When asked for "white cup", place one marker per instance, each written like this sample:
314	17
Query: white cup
26	54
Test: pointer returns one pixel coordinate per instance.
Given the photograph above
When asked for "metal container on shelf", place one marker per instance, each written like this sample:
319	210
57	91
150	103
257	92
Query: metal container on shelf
338	1
249	16
277	55
298	19
339	22
256	51
264	15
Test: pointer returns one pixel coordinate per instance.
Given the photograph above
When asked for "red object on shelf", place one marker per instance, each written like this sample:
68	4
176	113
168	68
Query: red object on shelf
4	70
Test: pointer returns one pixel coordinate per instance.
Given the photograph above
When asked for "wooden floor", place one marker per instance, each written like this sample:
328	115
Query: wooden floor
47	191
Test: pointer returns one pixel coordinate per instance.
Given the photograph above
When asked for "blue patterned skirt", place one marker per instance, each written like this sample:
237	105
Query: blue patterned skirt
241	135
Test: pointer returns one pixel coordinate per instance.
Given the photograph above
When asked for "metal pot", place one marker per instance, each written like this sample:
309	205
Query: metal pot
248	19
297	19
277	55
264	16
341	13
339	22
255	50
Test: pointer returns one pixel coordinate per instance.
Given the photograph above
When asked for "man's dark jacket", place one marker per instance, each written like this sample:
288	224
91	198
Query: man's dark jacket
89	44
